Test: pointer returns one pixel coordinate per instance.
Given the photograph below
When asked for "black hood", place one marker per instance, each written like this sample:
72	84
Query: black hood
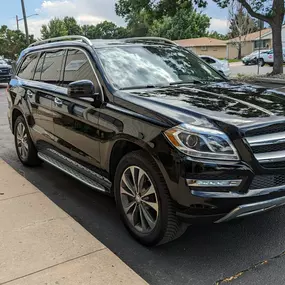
232	103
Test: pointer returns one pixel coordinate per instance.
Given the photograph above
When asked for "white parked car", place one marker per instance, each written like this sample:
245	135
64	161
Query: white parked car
221	65
269	58
253	57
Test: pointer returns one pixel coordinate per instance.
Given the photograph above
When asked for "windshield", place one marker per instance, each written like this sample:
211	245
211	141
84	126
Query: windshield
153	65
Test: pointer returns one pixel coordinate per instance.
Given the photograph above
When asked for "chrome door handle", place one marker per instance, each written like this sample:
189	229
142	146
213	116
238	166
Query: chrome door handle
30	93
58	102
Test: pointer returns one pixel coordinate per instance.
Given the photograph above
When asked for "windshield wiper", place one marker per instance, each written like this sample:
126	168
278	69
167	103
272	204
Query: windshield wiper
194	81
143	87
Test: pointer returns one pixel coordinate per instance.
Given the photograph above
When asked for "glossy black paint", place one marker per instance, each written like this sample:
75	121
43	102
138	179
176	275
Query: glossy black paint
136	119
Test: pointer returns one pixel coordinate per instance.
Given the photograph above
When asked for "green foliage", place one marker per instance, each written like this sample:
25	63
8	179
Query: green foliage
69	26
12	42
55	28
146	17
216	35
186	23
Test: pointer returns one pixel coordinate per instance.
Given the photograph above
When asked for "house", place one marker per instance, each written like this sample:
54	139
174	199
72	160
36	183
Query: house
205	46
250	43
267	37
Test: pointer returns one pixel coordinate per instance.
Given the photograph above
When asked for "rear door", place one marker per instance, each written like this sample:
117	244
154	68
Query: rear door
76	122
41	94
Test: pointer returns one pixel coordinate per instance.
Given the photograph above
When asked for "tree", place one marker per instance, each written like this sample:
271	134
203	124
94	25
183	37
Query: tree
271	12
55	28
140	15
216	35
71	26
241	24
184	24
12	42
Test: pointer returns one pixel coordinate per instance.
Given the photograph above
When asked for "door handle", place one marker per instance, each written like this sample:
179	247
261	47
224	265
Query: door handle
58	102
30	93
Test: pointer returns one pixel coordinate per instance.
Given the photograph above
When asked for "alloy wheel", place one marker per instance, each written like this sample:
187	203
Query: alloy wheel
22	141
139	199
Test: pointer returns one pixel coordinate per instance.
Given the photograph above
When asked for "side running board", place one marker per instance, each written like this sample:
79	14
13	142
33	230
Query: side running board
73	172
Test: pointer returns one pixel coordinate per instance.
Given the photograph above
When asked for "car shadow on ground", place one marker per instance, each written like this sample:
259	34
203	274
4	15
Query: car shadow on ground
203	255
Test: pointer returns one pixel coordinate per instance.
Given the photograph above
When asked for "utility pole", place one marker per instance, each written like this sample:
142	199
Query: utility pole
17	21
25	21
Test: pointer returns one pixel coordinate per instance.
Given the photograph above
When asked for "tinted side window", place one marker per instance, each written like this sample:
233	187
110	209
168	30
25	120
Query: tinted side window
39	68
52	66
27	68
77	67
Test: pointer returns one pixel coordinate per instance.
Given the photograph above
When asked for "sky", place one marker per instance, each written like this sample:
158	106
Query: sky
85	12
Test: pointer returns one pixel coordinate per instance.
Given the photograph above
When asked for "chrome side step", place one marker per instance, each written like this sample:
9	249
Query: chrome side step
72	172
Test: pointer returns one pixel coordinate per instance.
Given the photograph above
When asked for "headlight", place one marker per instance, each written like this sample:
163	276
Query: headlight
200	142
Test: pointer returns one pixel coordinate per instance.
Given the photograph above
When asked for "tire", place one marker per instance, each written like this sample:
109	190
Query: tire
25	148
270	64
261	62
164	226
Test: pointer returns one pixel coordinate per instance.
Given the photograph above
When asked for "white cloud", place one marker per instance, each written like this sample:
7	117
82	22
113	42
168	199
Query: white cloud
219	25
84	11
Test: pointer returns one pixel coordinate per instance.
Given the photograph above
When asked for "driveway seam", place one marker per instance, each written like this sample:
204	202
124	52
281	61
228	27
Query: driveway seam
52	266
19	196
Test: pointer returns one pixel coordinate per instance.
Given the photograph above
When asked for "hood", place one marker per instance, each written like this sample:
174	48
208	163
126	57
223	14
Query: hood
237	104
5	66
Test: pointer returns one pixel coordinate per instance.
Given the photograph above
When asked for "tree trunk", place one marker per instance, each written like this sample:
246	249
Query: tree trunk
277	47
239	51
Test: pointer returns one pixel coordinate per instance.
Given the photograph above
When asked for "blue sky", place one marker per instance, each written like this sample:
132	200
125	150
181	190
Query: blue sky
85	12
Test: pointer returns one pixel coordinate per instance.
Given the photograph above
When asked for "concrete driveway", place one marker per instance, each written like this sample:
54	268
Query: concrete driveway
239	67
206	254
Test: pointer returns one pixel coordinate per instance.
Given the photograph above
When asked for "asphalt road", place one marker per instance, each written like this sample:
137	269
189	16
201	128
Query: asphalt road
239	67
206	254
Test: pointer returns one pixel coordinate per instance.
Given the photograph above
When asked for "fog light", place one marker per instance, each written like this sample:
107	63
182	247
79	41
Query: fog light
213	183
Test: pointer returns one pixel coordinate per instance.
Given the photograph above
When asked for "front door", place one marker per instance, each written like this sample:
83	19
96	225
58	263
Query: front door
76	121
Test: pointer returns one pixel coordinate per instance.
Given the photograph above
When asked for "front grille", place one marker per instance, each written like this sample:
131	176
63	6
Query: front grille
268	148
267	181
272	129
268	145
4	71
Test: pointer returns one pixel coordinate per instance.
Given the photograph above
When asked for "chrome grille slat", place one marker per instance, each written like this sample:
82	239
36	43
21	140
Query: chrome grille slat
267	147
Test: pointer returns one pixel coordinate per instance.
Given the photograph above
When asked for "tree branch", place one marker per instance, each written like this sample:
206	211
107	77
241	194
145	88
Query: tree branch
254	14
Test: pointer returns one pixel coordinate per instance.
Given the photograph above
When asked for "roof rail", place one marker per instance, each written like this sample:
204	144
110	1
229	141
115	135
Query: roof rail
152	39
58	39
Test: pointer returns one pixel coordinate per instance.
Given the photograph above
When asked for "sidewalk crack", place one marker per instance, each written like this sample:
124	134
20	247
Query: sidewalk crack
52	266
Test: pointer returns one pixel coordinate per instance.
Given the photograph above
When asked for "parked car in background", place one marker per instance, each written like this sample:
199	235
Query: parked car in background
253	57
5	71
221	65
268	58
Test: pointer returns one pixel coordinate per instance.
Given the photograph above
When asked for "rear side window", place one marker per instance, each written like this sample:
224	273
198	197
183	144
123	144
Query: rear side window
27	68
51	67
78	67
208	60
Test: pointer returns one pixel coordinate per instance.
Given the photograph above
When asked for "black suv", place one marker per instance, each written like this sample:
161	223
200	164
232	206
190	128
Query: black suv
149	122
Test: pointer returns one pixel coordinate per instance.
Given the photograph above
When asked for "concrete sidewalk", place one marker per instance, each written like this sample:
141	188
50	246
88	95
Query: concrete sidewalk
41	244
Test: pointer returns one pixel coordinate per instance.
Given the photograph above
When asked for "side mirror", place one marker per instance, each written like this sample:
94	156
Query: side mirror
81	88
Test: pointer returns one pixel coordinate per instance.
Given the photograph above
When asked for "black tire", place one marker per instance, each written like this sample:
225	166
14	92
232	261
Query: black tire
167	227
261	62
270	64
31	159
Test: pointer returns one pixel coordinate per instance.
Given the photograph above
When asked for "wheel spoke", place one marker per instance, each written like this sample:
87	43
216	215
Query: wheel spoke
124	192
148	217
132	170
143	223
128	184
149	191
151	204
133	215
140	180
128	208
